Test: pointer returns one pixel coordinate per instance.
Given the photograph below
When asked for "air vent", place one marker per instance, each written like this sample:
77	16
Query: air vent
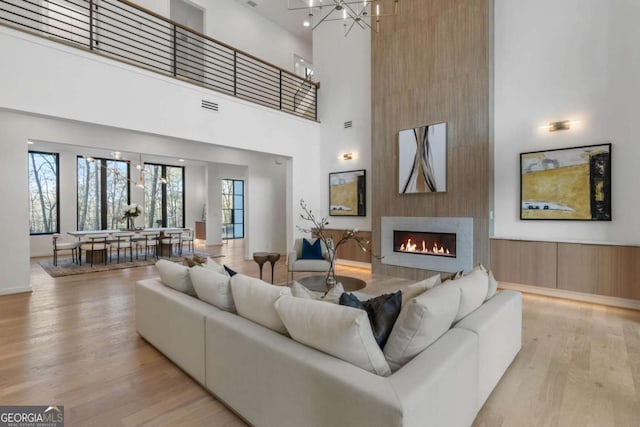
210	105
348	124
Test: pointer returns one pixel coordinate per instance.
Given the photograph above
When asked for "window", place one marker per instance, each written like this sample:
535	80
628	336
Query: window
44	210
163	195
103	189
232	209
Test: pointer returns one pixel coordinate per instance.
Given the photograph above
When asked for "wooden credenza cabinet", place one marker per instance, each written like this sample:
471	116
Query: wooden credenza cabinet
597	269
350	250
201	230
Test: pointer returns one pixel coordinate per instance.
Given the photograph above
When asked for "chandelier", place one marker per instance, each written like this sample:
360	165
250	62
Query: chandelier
140	167
363	13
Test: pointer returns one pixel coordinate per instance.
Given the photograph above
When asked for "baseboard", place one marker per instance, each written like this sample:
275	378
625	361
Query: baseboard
572	295
12	291
350	263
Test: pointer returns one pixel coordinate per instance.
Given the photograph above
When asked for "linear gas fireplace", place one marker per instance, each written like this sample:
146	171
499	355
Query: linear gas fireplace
425	243
437	244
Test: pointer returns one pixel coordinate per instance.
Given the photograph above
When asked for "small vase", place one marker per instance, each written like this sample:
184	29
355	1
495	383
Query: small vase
131	223
331	281
331	275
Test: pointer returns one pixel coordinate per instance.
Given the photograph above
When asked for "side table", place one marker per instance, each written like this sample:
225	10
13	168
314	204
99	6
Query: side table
273	257
262	257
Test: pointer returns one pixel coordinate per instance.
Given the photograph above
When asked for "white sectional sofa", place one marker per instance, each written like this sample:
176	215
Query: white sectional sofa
271	380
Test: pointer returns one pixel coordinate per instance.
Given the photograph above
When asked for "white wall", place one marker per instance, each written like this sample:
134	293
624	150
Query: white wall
195	195
86	88
14	252
232	23
343	66
569	60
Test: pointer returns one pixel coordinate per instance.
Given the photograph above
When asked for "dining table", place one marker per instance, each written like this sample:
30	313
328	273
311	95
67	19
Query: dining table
163	249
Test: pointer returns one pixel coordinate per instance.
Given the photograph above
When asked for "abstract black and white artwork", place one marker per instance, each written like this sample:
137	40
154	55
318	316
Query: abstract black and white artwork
422	159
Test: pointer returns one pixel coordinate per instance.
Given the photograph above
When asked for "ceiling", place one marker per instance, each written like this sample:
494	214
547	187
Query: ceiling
277	11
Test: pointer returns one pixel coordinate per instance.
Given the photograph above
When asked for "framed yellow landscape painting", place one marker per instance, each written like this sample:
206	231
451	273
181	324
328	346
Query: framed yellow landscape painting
566	184
347	193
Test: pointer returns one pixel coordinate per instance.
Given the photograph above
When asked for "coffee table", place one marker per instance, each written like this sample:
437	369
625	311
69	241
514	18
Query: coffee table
318	284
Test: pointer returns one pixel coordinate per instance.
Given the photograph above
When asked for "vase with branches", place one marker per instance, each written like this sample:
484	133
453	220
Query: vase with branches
130	213
319	227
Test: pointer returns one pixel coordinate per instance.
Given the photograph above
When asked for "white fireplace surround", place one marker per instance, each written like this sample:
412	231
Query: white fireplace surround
462	227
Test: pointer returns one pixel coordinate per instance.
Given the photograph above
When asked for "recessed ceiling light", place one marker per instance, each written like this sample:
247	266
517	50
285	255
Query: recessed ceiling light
181	160
30	142
306	24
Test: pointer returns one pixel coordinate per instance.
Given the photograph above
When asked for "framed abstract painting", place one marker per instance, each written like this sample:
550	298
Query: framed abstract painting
422	159
566	184
347	193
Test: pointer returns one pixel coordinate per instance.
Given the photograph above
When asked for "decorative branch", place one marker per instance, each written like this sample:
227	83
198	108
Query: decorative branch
319	230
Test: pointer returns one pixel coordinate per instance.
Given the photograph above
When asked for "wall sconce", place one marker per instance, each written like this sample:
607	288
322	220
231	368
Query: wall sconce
347	156
561	125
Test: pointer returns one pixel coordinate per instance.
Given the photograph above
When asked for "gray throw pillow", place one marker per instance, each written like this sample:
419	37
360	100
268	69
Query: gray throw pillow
382	310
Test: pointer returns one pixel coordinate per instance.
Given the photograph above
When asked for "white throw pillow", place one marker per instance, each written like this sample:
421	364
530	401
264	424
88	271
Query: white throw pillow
301	291
175	276
421	321
343	332
213	288
333	295
254	300
212	265
416	289
493	286
474	287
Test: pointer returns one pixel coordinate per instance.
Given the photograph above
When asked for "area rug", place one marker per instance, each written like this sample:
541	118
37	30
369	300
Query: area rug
66	267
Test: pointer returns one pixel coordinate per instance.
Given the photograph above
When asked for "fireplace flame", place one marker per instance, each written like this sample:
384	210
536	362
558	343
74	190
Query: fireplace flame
436	249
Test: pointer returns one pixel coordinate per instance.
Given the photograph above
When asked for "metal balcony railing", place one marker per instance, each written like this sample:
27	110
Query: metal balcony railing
127	32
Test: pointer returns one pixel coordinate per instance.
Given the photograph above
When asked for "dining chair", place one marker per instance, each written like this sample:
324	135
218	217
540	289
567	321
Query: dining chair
95	244
148	240
64	246
187	237
122	242
173	238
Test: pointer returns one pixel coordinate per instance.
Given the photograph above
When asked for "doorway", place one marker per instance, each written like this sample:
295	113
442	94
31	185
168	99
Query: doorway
190	49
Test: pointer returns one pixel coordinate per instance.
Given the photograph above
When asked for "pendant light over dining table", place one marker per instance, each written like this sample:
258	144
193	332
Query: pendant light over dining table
139	166
361	13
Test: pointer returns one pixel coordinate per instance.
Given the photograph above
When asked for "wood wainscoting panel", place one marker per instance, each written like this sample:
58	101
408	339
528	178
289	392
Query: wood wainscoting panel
525	262
599	269
538	263
505	260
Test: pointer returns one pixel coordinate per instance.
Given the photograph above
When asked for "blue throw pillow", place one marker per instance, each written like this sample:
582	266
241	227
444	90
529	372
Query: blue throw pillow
311	251
229	271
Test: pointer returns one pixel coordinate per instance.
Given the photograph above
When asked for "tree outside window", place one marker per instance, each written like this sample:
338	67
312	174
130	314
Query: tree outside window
164	195
43	193
103	189
232	209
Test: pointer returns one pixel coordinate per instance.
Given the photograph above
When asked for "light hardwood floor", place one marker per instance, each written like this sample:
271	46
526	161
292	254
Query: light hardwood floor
73	342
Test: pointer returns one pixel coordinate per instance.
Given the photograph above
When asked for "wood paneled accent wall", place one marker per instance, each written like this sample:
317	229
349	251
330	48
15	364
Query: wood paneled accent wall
430	64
